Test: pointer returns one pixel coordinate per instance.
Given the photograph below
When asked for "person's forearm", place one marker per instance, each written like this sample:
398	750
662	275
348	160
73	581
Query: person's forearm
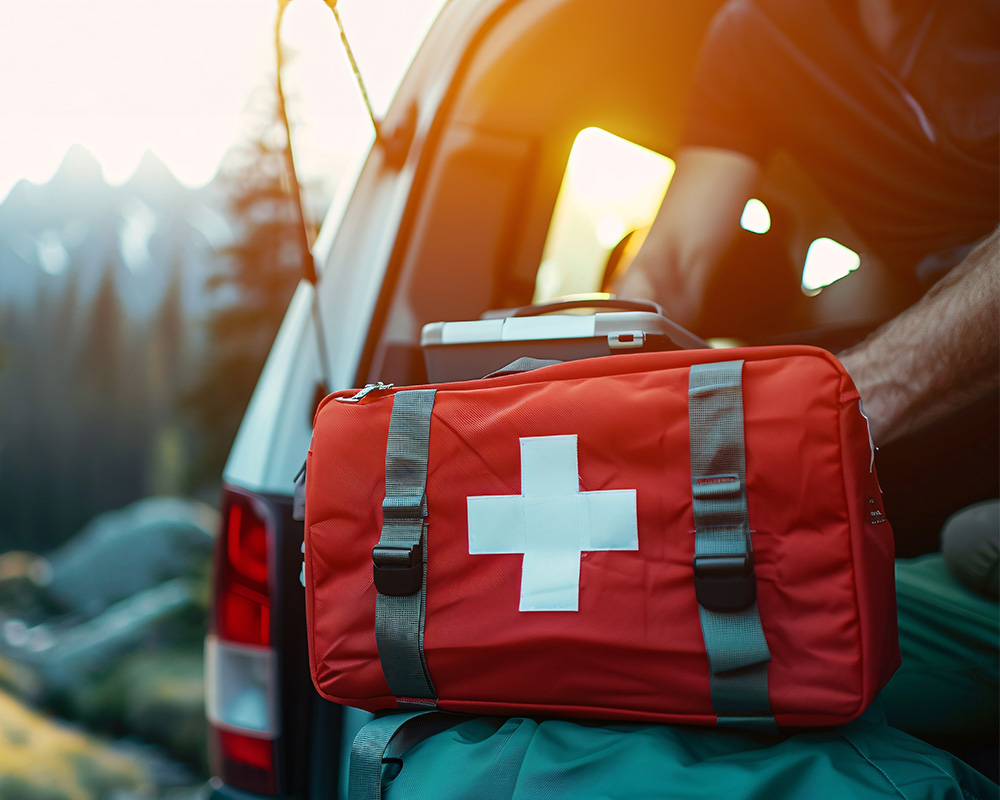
937	356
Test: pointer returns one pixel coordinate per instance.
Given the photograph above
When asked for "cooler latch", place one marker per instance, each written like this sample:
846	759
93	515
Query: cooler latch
626	340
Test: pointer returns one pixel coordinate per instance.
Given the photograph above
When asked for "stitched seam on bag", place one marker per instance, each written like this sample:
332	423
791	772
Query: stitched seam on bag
310	608
944	772
884	774
854	564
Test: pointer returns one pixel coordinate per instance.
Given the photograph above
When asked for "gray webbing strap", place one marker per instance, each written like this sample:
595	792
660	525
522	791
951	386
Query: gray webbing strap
364	776
724	577
400	557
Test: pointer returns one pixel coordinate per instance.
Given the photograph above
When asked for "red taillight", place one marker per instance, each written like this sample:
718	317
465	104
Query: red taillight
246	541
243	616
240	666
242	605
243	761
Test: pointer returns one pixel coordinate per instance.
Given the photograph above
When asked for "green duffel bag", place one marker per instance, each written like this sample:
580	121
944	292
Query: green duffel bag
444	757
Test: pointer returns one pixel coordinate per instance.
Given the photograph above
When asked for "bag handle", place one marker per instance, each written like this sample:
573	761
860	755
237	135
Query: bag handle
680	336
600	301
403	731
522	364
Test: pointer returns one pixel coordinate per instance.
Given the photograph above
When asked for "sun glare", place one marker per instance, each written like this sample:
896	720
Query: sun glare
121	77
755	218
827	261
611	187
607	171
327	113
124	76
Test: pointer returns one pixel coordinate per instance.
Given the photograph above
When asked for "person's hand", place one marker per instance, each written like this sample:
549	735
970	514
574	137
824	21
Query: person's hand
696	222
636	283
656	278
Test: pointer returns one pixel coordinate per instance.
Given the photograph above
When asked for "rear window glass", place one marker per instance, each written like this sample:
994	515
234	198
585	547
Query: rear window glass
609	195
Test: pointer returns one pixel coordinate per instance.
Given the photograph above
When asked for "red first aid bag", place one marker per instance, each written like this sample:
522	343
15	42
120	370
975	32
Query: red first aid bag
685	537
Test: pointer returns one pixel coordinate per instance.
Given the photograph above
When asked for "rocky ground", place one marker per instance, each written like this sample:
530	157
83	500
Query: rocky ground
101	665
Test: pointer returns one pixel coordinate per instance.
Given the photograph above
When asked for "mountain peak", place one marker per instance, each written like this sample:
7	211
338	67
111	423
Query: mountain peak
151	172
79	165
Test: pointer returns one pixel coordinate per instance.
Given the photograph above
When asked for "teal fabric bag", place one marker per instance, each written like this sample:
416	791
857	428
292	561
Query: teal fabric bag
493	758
948	637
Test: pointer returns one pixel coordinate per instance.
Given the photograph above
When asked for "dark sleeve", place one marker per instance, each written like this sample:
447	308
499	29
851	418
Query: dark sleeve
722	111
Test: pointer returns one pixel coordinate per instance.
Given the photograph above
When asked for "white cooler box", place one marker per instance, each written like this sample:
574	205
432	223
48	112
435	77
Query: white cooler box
458	351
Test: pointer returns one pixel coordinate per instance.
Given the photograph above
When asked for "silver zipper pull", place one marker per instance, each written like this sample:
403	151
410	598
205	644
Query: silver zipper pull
361	395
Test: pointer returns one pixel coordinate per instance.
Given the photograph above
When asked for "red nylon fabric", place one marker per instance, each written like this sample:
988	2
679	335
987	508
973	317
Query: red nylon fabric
634	649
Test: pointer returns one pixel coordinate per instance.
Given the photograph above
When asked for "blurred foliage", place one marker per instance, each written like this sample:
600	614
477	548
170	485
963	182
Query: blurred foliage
155	695
42	760
59	454
18	681
81	409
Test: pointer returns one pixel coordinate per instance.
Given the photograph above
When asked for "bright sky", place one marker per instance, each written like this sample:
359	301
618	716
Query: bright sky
177	77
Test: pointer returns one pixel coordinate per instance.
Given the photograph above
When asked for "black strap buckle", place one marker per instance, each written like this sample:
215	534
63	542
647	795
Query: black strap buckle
398	571
725	582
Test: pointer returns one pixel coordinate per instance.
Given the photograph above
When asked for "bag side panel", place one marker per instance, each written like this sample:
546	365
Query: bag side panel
345	485
872	538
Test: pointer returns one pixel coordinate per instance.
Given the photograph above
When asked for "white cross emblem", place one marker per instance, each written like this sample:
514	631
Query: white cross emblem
551	522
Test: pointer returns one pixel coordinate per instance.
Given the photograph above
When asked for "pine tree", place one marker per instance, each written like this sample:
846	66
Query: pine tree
111	437
101	362
163	368
261	269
